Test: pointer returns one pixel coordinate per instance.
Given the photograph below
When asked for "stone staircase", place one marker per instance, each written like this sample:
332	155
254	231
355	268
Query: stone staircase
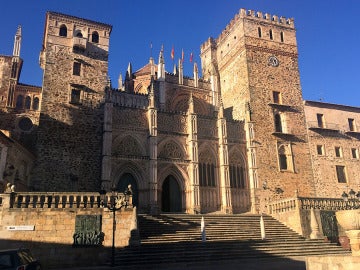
176	238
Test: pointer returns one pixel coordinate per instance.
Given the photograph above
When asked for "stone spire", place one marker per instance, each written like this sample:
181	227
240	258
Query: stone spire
152	67
17	42
196	75
120	82
161	64
181	72
152	94
129	72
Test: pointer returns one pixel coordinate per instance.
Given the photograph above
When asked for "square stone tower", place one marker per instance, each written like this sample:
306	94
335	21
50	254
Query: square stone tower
255	63
74	58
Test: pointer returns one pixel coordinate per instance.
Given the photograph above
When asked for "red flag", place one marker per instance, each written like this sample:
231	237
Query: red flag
172	53
182	56
191	57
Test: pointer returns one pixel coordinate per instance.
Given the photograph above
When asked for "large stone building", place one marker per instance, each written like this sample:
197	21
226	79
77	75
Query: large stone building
229	140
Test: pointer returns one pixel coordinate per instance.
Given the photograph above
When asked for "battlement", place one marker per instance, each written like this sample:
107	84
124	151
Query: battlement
254	15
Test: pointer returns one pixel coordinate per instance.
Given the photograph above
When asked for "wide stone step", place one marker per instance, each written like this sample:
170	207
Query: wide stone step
176	238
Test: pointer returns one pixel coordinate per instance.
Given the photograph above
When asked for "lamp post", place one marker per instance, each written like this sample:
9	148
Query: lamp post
116	203
352	200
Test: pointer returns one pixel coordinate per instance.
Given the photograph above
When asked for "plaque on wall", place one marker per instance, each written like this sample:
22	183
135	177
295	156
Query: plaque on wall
88	231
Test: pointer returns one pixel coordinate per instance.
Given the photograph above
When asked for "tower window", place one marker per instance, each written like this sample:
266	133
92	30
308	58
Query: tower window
259	32
79	34
76	68
320	150
276	97
95	37
19	102
351	124
338	152
35	105
75	96
63	31
271	34
282	36
28	103
320	120
340	173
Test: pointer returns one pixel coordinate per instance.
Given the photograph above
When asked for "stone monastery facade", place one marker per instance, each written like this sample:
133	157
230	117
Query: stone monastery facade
228	141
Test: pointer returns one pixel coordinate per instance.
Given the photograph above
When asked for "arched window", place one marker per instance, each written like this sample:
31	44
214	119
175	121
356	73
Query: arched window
35	104
207	175
63	31
95	37
271	34
19	102
285	157
259	32
79	34
278	125
237	179
28	103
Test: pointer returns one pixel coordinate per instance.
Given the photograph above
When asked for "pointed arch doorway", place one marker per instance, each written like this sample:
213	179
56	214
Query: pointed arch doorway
123	183
171	195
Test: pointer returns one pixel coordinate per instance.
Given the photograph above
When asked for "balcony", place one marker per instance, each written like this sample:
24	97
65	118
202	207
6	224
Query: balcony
79	44
315	125
352	131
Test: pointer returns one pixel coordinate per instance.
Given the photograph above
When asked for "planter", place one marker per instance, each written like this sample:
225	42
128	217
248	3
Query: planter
349	220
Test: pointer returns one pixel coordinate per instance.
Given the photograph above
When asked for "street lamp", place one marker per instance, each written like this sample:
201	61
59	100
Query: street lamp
352	199
117	201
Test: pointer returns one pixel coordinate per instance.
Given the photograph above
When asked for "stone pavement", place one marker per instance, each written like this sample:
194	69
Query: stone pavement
297	263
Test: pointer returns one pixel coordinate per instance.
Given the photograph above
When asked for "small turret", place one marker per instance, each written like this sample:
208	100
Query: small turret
17	42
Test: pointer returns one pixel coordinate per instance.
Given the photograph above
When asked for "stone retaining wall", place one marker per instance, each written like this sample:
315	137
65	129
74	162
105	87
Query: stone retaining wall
51	240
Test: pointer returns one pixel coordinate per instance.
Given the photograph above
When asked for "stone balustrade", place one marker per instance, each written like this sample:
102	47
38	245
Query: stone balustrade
305	203
54	200
284	205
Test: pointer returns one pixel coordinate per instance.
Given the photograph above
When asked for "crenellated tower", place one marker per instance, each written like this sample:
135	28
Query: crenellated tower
255	62
74	59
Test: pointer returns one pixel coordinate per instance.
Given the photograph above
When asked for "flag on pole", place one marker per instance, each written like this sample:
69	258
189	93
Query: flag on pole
172	52
182	56
191	57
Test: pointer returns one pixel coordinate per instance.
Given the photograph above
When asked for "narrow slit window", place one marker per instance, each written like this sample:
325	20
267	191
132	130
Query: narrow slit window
276	97
320	120
271	34
282	36
259	32
320	150
351	122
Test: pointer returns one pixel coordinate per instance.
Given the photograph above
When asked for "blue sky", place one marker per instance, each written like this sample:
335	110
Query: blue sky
327	34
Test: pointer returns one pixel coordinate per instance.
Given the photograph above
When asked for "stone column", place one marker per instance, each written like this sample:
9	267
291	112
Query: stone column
225	189
194	162
107	144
